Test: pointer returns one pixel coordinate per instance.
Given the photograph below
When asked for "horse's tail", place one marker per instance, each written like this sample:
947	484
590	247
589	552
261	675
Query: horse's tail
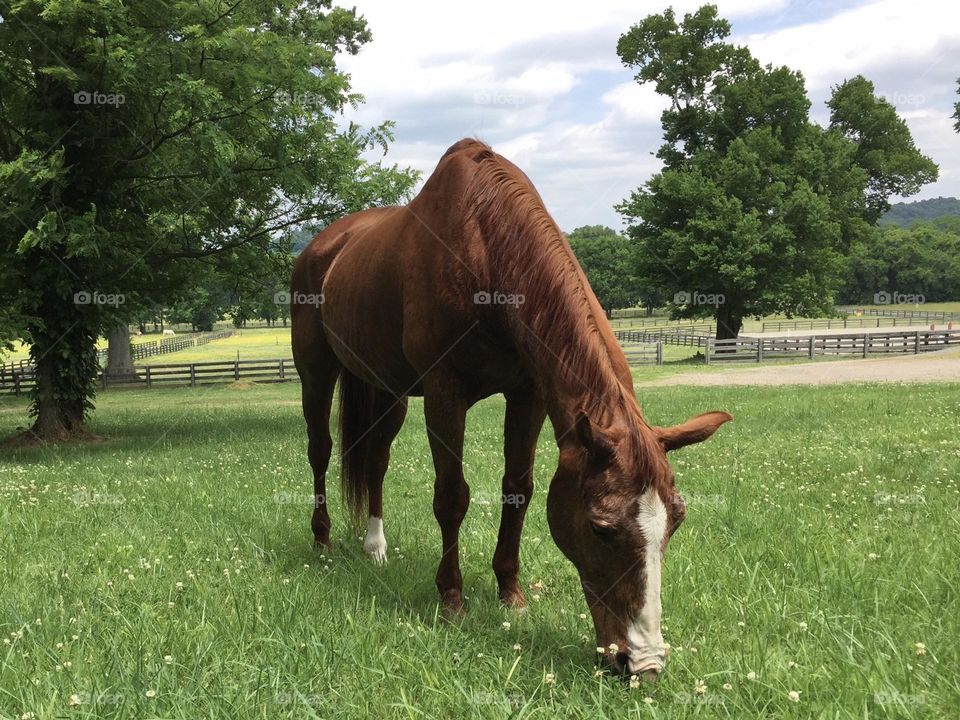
356	419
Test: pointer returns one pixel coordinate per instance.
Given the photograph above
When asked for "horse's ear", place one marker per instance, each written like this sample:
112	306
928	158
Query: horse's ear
599	449
692	431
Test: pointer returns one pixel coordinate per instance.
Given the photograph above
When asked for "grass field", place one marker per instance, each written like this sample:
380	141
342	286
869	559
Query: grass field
167	571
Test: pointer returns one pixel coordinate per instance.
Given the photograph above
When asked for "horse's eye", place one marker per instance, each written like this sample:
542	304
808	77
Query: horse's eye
604	532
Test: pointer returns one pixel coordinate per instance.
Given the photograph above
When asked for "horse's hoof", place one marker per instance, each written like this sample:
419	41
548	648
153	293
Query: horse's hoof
378	555
452	605
514	600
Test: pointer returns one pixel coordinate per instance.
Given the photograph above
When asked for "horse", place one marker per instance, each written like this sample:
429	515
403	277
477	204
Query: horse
468	291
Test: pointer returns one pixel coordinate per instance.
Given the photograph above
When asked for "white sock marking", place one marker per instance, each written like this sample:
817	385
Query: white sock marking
375	544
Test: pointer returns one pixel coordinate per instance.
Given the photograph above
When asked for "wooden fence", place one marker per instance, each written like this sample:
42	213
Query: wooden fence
758	349
850	322
266	370
643	353
669	336
916	315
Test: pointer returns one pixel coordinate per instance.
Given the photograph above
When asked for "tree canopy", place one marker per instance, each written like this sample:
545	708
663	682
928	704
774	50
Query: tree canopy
756	206
607	260
145	144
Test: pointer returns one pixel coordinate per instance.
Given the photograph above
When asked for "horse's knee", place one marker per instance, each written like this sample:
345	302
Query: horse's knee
451	498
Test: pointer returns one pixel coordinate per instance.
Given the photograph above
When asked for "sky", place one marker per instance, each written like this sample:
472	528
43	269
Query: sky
542	83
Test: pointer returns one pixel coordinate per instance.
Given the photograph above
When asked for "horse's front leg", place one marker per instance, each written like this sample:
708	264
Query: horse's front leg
445	414
521	428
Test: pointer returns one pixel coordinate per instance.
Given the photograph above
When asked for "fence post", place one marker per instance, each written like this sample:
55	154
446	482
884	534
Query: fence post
282	377
149	379
866	344
759	342
659	353
16	383
813	345
193	375
236	369
706	356
916	342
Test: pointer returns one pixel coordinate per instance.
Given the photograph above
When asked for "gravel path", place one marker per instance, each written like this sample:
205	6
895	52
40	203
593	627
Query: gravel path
943	366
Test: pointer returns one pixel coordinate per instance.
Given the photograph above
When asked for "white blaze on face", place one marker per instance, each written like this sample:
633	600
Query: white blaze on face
375	544
647	649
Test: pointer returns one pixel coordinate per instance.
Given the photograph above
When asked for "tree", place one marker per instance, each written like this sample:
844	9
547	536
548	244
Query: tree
956	110
141	140
607	261
756	206
885	148
918	263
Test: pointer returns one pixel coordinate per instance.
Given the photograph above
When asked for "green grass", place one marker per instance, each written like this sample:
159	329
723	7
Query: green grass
820	546
253	344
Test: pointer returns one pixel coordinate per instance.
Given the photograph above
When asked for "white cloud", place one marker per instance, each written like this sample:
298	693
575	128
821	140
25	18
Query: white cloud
542	82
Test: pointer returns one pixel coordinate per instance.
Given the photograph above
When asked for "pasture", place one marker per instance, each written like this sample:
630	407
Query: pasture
167	570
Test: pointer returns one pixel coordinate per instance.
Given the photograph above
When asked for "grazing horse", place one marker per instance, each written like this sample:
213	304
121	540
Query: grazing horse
472	290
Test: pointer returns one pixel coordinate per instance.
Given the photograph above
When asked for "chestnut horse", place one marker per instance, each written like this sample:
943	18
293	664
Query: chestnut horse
472	290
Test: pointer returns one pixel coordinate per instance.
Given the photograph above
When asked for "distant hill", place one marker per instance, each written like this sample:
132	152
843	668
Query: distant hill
907	213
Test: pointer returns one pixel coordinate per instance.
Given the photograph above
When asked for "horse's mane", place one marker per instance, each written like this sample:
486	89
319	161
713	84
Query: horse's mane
529	255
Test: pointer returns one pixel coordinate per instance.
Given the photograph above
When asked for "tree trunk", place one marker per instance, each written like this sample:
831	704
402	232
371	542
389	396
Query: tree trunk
729	323
119	358
65	381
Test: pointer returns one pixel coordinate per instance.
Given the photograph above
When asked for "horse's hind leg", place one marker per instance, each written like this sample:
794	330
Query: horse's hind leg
317	392
389	412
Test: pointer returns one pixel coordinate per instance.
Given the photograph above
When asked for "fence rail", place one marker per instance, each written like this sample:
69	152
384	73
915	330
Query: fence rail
925	315
850	322
669	336
758	349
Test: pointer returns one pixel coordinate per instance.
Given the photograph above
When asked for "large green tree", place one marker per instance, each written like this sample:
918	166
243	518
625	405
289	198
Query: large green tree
607	260
885	148
756	206
140	139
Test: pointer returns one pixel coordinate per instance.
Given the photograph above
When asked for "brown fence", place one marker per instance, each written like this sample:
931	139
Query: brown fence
915	315
758	349
669	336
850	322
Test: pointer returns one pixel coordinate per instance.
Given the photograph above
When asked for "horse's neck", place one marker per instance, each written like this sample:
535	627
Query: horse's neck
567	342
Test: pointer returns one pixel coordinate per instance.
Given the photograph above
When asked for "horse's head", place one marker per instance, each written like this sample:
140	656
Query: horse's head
612	510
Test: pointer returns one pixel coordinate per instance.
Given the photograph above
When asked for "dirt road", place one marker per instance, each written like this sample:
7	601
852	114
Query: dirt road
943	366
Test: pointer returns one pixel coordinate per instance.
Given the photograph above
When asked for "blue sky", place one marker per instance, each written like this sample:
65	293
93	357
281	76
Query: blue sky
542	83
